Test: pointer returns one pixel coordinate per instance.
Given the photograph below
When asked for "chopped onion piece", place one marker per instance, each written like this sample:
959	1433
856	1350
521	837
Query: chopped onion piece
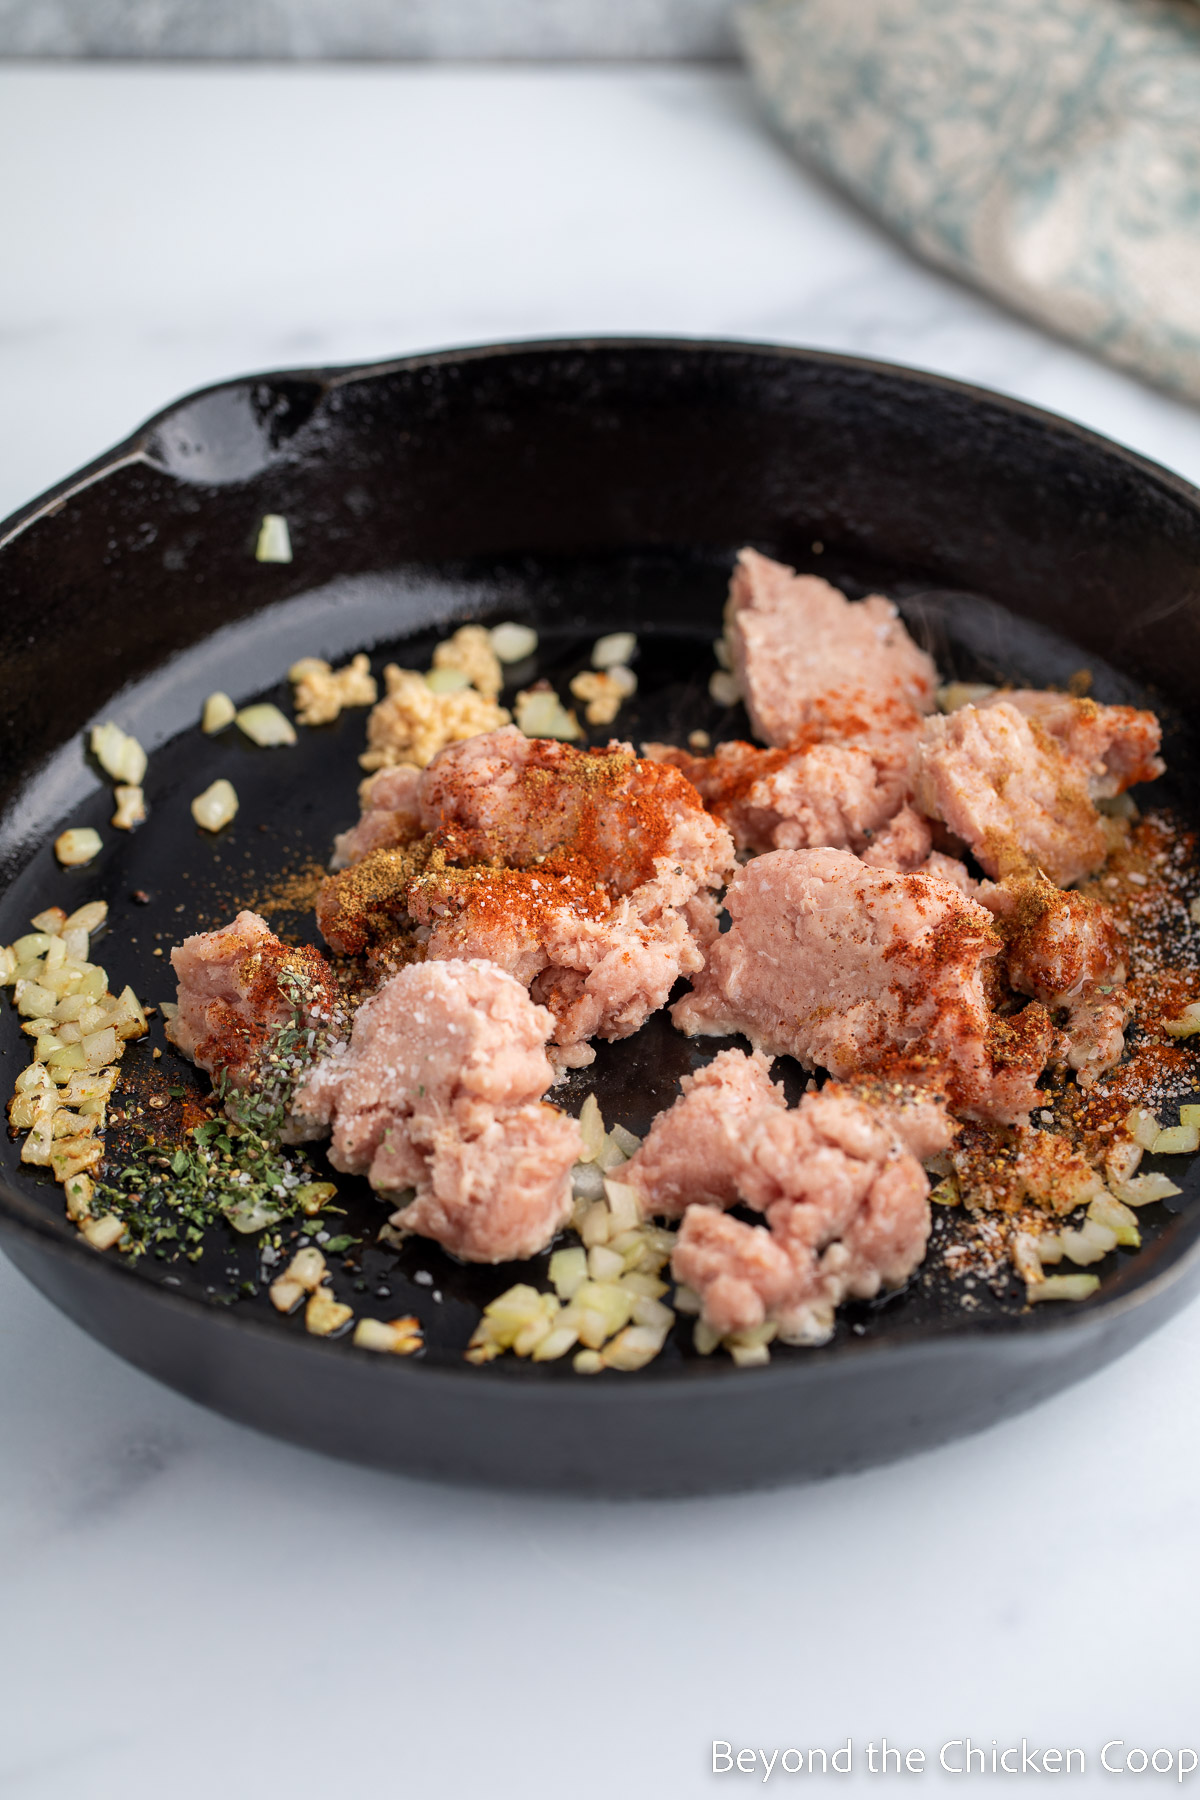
1106	1210
723	688
617	647
1089	1244
51	921
957	694
634	1348
1177	1140
87	918
591	1127
103	1233
686	1300
1063	1287
1144	1189
76	847
400	1337
540	713
118	754
625	1141
216	806
587	1181
1186	1025
625	1205
131	808
274	540
605	1264
264	724
1142	1127
568	1271
1194	912
1189	1115
324	1315
447	680
512	643
219	711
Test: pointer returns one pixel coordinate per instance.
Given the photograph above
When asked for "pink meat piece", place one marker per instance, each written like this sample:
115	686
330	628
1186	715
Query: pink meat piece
857	969
1009	790
237	988
839	788
586	874
799	646
691	1152
904	843
1117	745
847	1213
439	1090
1064	950
391	815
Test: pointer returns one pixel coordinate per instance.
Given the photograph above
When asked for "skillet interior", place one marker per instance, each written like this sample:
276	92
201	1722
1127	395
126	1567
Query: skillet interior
583	489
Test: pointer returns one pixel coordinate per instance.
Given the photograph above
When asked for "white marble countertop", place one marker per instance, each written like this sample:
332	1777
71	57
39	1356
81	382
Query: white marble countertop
188	1608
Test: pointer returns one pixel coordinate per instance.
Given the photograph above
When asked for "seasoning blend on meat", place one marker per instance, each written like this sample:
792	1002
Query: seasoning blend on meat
239	988
588	875
856	969
439	1090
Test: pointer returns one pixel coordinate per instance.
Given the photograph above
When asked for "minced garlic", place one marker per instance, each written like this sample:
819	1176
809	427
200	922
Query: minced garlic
322	691
470	651
413	723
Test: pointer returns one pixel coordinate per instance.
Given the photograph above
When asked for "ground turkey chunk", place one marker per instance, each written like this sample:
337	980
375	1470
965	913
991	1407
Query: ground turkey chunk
842	786
1008	789
692	1150
1065	951
857	969
237	988
847	1213
1117	745
439	1090
796	643
589	875
391	815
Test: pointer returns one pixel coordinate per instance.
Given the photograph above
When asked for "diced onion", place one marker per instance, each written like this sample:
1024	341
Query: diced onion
274	540
1089	1244
216	806
1177	1140
447	680
1063	1287
264	724
591	1129
76	847
219	711
512	643
723	688
958	694
540	713
87	918
1186	1025
119	755
1144	1189
1142	1127
617	647
131	808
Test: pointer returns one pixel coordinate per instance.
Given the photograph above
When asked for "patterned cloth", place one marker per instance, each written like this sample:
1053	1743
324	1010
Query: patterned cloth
1048	150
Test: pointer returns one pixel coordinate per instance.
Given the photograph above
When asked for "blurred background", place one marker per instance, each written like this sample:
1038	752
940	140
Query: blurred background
1006	191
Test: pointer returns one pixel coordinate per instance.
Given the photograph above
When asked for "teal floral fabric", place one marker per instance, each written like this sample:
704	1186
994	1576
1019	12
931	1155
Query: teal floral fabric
1048	150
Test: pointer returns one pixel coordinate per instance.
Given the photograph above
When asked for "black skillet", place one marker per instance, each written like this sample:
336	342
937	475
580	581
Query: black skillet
583	487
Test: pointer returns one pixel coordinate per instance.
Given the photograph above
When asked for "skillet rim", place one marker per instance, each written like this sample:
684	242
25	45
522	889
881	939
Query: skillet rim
21	1219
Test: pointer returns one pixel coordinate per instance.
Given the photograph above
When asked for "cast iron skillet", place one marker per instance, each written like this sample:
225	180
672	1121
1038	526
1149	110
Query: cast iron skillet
583	487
